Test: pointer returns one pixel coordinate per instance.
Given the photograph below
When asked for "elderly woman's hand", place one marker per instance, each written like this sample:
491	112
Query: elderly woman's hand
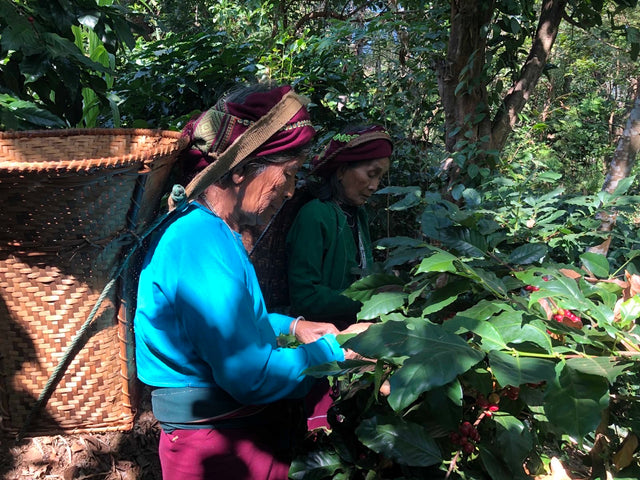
307	332
355	328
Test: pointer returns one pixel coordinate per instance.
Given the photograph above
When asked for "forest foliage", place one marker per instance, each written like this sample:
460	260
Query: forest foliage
506	315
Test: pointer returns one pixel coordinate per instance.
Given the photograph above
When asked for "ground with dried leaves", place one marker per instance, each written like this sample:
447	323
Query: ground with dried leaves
129	455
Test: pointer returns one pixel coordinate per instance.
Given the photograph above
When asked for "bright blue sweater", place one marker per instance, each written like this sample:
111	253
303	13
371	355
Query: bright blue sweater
201	319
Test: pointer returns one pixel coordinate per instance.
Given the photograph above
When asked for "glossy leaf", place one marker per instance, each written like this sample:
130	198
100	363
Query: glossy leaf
316	465
440	261
514	331
410	200
435	359
630	310
494	463
405	442
439	305
363	289
574	401
606	367
513	438
487	279
517	370
483	310
394	338
528	253
466	242
491	338
380	304
433	368
596	264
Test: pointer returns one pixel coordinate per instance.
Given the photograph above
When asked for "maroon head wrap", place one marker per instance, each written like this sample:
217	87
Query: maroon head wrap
216	129
369	143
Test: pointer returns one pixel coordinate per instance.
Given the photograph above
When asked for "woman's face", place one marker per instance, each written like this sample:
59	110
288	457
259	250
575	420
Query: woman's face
261	195
360	181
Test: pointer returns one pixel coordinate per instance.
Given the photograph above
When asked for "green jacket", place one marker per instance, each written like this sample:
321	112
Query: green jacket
322	262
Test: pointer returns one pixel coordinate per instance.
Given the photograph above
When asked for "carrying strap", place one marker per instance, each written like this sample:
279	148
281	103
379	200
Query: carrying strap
257	134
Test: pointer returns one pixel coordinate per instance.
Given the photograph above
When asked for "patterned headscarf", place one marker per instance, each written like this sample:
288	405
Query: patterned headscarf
216	129
369	143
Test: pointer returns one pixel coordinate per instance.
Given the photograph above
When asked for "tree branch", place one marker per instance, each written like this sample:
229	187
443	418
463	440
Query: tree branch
550	17
306	18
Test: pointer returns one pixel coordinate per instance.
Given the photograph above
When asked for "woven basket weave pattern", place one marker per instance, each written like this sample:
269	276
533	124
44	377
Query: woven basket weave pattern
70	201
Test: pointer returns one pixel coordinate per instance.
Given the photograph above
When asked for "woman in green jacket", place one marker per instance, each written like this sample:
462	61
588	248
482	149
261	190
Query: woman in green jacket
329	244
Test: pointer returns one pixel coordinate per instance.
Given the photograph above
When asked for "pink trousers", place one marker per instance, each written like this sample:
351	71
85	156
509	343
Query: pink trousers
251	453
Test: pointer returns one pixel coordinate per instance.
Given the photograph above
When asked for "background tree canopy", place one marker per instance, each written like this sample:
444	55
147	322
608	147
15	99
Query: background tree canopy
511	198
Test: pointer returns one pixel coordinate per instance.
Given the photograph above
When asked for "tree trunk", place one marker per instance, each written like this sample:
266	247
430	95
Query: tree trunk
462	86
620	166
550	17
626	152
460	82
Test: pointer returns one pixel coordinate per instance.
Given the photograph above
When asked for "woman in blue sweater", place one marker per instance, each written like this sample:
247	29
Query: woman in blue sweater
205	342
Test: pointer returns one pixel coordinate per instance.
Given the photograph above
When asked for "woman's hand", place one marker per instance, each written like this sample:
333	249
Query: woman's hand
307	332
355	328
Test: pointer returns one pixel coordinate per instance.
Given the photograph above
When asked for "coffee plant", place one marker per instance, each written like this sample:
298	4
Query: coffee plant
500	343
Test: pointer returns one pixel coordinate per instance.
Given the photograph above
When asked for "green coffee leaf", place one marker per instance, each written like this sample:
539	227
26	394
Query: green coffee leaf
596	264
405	442
574	401
529	253
516	370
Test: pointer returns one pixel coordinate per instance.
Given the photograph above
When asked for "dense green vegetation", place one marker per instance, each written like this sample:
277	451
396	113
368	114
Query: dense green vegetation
507	322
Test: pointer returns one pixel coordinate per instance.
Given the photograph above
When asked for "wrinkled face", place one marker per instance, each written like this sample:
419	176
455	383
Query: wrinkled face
261	195
360	181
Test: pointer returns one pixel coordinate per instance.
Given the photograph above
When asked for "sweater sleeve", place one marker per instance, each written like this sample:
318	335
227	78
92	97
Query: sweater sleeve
308	245
280	323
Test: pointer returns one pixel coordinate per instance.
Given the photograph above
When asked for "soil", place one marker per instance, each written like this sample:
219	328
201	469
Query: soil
131	455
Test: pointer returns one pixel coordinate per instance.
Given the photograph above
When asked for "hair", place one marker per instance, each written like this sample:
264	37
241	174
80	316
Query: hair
252	166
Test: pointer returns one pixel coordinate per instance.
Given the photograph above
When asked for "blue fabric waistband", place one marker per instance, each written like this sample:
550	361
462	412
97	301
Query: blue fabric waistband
191	405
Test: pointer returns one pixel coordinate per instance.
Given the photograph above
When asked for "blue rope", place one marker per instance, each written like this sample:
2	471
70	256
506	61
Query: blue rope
179	198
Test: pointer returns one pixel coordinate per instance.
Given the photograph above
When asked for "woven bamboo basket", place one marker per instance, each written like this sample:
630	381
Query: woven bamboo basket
71	203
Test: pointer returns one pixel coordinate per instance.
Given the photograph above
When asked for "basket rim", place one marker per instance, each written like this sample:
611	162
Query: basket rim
85	163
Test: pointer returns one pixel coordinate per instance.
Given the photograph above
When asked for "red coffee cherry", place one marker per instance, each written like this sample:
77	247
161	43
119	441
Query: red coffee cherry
466	429
482	402
512	392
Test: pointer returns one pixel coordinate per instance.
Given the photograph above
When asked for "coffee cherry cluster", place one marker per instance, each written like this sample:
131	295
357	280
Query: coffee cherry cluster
561	315
466	437
568	318
488	405
511	392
